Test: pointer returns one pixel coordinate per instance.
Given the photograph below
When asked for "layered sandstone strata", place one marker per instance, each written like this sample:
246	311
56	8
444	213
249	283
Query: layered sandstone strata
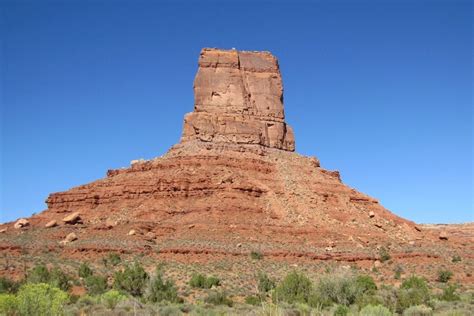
238	99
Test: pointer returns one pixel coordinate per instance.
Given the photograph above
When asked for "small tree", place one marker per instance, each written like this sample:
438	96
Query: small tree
41	299
160	290
295	288
131	280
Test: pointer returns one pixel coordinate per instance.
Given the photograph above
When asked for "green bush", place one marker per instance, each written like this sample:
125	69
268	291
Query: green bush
84	271
203	282
366	283
253	300
265	283
444	276
41	299
95	285
56	277
8	286
418	310
111	298
375	310
341	310
340	289
160	290
8	304
449	293
218	298
398	273
59	279
294	288
456	258
256	255
413	291
39	274
384	255
131	280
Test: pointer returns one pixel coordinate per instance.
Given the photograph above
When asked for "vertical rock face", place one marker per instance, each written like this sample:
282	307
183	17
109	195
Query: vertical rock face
238	98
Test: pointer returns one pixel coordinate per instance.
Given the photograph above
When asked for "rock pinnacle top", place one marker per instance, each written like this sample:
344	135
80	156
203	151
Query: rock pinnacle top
238	98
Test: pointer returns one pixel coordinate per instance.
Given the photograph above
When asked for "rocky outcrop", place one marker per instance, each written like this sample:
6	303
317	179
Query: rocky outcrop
22	222
238	98
234	178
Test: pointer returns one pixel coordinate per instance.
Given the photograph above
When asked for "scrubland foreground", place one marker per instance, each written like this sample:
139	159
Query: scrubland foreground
121	285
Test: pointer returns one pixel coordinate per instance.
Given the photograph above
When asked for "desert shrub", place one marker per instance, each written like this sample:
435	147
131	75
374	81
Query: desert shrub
256	255
112	258
265	283
370	299
84	270
162	290
444	276
253	300
366	283
41	299
111	298
338	288
413	291
449	293
8	286
384	255
39	274
294	288
375	310
131	280
59	279
418	310
170	311
456	258
398	273
389	296
203	282
341	310
218	298
95	285
8	304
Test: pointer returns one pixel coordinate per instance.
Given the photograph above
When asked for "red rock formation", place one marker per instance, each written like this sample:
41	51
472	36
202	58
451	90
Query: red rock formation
233	182
238	99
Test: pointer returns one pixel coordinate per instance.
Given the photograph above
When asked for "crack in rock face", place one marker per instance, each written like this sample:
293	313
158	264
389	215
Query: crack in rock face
238	98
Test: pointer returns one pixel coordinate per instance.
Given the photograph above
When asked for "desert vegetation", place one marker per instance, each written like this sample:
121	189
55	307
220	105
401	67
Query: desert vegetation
131	289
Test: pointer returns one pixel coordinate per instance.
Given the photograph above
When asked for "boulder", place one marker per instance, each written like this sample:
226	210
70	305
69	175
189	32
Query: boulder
72	218
443	235
69	238
3	230
51	224
132	232
371	214
22	222
109	223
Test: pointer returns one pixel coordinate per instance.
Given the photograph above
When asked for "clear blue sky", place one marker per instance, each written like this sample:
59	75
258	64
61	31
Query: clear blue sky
380	90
